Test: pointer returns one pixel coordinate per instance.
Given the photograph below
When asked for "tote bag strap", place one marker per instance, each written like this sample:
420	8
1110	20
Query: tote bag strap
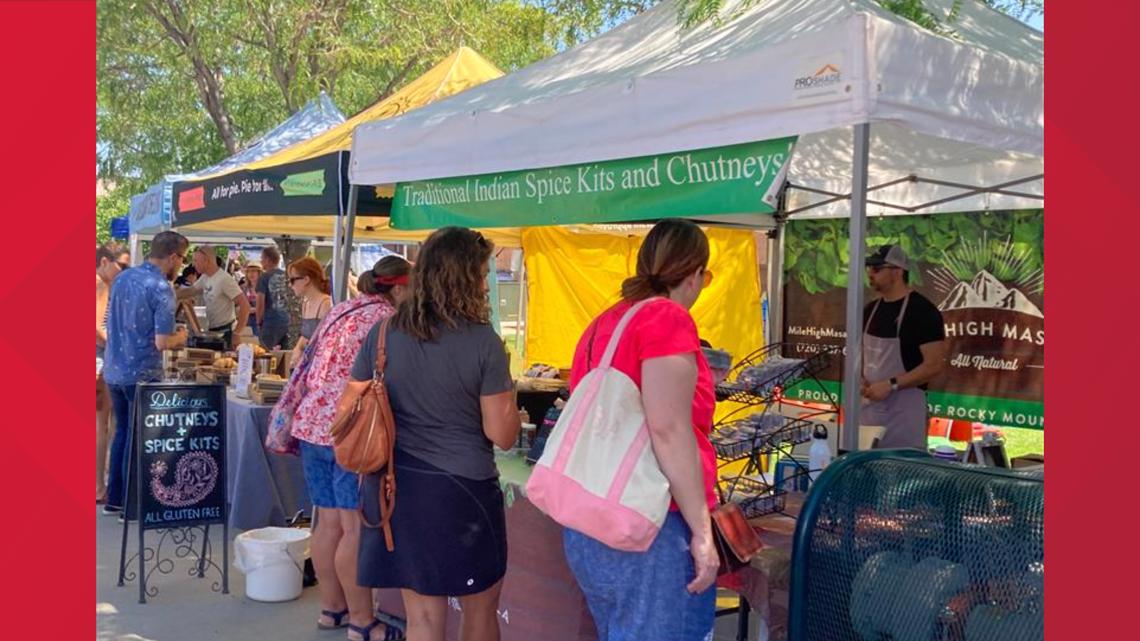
611	348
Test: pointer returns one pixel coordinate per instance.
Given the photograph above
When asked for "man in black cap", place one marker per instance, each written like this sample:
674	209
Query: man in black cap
904	348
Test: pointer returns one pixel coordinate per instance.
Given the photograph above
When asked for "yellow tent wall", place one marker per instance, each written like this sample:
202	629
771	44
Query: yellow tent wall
572	276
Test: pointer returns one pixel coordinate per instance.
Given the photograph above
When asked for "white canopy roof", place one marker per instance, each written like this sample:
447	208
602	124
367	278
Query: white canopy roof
966	110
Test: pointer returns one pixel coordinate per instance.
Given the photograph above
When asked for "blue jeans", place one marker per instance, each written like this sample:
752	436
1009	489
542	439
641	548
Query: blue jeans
123	401
636	596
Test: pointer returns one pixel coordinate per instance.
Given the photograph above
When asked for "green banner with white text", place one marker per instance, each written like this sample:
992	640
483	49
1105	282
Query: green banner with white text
737	179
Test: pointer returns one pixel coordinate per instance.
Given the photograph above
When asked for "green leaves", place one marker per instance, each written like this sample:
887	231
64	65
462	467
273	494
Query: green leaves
269	57
1009	244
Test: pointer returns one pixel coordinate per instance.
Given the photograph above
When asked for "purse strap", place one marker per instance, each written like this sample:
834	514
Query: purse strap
381	352
387	498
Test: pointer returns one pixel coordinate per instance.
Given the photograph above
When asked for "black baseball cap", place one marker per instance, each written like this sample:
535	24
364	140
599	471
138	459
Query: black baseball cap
888	255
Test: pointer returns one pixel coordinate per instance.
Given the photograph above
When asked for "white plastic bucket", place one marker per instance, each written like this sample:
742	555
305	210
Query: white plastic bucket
273	561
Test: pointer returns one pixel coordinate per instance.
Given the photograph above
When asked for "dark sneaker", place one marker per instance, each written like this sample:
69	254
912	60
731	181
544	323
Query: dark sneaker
109	509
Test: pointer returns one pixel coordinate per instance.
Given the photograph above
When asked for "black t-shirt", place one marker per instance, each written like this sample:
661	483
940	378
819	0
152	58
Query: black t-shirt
434	388
922	324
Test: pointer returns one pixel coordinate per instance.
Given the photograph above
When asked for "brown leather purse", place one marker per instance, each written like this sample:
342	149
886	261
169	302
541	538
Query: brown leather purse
365	437
736	542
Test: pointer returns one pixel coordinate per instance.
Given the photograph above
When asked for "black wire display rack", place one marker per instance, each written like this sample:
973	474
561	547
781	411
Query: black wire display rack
757	430
765	373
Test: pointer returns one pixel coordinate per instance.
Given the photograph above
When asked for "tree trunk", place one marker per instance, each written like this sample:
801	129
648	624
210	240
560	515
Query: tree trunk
207	79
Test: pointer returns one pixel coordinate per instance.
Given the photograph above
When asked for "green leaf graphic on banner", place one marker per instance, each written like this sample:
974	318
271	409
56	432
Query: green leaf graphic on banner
310	183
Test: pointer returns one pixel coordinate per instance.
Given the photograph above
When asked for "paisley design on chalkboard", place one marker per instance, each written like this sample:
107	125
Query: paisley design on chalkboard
195	476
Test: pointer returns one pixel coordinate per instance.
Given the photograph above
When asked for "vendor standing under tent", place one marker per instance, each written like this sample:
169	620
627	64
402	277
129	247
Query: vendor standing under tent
272	301
227	308
904	348
250	275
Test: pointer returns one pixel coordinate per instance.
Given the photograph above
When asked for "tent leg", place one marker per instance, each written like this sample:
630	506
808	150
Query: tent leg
776	283
338	240
853	358
346	256
134	245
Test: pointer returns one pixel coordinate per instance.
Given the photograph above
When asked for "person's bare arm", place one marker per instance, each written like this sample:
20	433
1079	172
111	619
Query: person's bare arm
183	293
242	304
501	420
668	384
933	364
177	340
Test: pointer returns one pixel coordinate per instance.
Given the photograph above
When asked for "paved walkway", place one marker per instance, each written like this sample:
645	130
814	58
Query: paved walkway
185	608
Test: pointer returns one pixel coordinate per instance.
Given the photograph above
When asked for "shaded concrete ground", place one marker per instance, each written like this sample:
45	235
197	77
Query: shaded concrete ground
186	609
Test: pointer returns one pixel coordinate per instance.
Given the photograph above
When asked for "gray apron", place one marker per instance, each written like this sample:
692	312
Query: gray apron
902	413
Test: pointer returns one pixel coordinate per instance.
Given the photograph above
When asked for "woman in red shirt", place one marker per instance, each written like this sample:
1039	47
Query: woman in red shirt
665	593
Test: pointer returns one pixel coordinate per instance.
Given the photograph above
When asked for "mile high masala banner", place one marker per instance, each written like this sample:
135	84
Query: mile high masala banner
984	271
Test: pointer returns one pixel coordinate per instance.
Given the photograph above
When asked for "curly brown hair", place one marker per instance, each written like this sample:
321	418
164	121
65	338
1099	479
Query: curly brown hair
447	284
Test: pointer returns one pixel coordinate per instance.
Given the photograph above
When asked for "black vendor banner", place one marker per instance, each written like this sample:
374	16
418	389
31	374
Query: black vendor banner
181	448
312	187
984	271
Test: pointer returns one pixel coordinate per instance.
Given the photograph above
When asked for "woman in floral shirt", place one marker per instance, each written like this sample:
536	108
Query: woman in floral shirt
310	401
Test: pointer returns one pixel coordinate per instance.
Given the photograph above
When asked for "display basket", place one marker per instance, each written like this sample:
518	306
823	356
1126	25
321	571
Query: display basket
762	375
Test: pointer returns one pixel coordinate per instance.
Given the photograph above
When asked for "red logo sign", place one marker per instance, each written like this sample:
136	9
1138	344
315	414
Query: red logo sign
192	199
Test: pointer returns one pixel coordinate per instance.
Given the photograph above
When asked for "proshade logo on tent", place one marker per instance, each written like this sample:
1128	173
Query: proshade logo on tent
825	76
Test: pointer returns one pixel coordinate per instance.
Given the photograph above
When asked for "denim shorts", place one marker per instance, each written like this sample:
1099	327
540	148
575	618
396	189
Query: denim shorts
636	596
330	485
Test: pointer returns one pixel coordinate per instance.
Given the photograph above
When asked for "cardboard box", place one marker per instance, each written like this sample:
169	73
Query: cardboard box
1027	460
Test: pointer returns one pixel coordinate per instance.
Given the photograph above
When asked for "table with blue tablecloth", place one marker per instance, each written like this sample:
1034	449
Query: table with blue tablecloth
263	489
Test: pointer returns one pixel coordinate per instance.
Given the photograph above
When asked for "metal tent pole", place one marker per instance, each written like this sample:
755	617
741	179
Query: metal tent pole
338	238
853	358
349	229
776	284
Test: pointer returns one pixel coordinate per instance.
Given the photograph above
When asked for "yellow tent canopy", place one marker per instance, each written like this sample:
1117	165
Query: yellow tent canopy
367	228
461	70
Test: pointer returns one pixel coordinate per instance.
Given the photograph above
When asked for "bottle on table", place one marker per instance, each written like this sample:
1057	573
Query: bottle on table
819	455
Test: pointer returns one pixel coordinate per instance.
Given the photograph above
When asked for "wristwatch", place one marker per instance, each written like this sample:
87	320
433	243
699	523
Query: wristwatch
894	384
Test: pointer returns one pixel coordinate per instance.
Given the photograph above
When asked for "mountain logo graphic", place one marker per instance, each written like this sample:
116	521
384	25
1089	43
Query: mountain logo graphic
826	69
985	291
825	76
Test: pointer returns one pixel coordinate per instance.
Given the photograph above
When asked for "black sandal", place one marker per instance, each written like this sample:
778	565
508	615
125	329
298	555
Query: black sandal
337	618
390	633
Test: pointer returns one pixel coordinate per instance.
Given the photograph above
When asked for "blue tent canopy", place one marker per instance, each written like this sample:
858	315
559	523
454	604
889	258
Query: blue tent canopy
120	228
150	211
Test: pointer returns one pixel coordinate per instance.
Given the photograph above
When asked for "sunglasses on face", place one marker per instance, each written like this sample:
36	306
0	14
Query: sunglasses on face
123	266
879	268
293	279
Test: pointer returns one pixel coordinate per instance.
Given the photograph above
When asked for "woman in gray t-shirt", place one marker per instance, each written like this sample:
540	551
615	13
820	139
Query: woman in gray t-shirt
449	383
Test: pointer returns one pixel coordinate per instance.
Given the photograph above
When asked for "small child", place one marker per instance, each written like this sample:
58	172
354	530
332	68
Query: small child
547	425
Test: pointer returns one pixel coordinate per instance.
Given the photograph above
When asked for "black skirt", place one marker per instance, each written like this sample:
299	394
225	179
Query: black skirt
449	532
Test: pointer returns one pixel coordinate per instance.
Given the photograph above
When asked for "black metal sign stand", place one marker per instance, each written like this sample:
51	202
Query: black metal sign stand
183	538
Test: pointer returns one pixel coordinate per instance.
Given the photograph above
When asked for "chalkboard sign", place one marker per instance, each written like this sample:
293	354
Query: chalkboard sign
181	455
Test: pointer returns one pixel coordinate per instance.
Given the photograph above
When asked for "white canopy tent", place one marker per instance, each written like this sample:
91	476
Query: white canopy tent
923	122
